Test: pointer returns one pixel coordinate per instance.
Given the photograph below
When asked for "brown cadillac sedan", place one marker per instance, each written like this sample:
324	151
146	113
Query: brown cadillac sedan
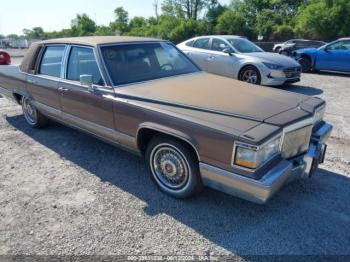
194	129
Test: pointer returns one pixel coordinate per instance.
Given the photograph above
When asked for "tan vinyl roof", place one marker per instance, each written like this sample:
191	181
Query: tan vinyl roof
99	40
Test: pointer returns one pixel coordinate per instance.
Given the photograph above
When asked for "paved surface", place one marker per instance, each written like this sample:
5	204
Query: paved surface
63	192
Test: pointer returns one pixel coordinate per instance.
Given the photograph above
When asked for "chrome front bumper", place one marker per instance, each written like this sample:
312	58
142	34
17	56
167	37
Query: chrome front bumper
260	191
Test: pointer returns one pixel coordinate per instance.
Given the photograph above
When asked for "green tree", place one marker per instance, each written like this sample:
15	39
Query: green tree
233	23
137	21
215	10
189	9
35	33
13	36
187	29
121	20
324	19
83	25
104	30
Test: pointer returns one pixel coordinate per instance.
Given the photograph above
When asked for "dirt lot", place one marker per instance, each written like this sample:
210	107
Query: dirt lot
63	192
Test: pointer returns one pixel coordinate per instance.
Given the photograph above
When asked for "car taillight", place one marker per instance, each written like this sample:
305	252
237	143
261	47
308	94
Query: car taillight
5	58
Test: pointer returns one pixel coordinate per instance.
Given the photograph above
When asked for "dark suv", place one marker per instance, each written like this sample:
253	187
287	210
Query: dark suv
288	47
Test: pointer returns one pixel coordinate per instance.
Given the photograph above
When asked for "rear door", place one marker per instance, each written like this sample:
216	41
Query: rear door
199	52
83	106
43	85
335	56
221	63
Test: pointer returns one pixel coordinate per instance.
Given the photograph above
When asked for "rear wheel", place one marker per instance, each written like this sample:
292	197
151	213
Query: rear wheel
250	74
33	117
305	64
173	166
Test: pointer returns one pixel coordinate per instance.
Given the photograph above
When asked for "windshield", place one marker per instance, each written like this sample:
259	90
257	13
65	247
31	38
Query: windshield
132	63
244	46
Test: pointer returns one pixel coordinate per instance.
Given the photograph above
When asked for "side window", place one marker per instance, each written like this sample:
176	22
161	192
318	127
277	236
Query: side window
219	45
82	62
336	46
189	43
52	61
202	43
346	44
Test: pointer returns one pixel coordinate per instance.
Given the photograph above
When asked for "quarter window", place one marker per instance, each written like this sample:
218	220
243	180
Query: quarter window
202	43
51	62
82	62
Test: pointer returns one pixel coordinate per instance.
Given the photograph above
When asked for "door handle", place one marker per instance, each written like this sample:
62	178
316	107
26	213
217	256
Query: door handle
63	89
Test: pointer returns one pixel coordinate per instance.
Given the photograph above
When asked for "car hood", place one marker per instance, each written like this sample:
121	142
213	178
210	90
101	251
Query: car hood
220	96
273	58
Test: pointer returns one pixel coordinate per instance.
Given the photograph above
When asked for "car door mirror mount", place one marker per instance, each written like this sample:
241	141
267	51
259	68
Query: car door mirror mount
228	51
87	80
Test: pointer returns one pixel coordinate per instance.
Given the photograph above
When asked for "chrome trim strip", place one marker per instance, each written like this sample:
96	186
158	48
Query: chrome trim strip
104	133
6	92
149	126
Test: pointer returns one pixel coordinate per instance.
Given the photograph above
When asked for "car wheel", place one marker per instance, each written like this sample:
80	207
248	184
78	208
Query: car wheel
305	64
277	50
173	167
250	74
284	52
33	117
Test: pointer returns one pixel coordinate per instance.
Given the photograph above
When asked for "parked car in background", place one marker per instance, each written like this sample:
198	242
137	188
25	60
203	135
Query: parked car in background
287	49
237	57
192	128
5	58
334	56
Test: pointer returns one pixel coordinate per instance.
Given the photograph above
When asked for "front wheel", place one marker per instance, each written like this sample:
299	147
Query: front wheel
173	166
251	75
305	64
33	117
284	52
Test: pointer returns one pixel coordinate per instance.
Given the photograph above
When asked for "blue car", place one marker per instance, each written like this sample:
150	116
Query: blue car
334	56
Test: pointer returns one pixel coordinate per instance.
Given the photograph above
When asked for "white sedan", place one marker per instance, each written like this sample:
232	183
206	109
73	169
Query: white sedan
237	57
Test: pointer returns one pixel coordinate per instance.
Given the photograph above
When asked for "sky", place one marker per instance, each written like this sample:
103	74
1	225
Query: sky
57	14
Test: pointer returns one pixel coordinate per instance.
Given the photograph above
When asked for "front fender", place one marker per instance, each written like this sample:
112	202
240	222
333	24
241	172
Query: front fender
168	131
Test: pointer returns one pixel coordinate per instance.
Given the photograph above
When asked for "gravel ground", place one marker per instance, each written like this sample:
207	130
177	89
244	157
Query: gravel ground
63	193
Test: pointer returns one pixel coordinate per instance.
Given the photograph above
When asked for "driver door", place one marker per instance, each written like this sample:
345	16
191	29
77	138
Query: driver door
335	57
221	63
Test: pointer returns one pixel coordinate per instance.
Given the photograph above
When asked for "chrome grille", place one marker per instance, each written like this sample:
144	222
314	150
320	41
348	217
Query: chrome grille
292	72
296	142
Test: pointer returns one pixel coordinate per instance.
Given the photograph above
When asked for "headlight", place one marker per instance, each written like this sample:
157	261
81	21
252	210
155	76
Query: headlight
253	157
318	116
273	66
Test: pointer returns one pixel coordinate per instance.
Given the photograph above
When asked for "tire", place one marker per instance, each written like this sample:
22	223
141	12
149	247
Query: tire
251	75
305	63
284	52
32	115
173	167
277	50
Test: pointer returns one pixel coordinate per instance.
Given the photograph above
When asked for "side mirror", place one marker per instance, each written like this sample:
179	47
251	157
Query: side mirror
87	80
228	51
